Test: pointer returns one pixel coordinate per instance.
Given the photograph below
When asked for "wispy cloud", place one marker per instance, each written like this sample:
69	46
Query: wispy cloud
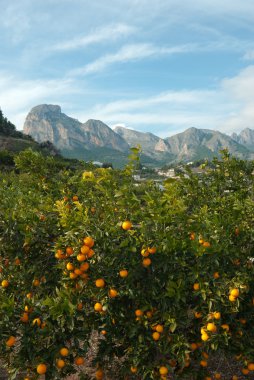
128	53
106	33
249	55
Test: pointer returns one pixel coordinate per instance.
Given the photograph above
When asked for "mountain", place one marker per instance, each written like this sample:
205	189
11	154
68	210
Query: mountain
246	138
94	140
197	143
47	122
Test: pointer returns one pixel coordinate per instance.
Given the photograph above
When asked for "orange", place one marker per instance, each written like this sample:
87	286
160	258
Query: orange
24	318
235	293
156	335
127	225
216	275
11	341
85	249
41	369
205	337
138	313
144	252
60	363
103	332
198	314
146	262
194	346
99	374
70	266
217	376
100	283
5	283
89	241
231	298
112	293
159	328
192	236
133	369
163	370
79	360
245	371
36	282
251	366
79	306
211	327
64	351
69	251
84	267
37	322
77	271
75	198
17	261
152	250
203	363
206	244
205	355
29	295
73	275
90	253
217	315
196	286
235	377
98	306
225	327
123	273
81	257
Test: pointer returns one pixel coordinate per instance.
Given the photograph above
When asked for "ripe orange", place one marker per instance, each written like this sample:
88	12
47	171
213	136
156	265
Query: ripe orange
90	253
41	369
81	257
60	363
75	198
73	275
126	225
112	293
17	261
152	250
216	275
232	298
205	355
100	283
138	313
134	369
196	286
145	252
211	327
103	332
84	267
36	282
204	336
206	244
98	307
203	363
70	266
85	249
192	236
37	322
99	374
146	262
5	283
79	360
29	295
24	318
163	370
11	341
159	328
194	346
251	366
198	314
156	335
217	376
77	271
89	241
235	293
225	327
64	351
123	273
79	306
217	315
245	371
69	251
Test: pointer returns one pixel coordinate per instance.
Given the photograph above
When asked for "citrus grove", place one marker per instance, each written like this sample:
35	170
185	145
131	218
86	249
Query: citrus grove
164	277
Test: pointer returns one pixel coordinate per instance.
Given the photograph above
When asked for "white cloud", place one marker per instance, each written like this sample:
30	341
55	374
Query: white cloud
129	53
249	55
106	33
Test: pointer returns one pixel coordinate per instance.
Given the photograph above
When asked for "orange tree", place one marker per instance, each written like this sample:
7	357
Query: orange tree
165	277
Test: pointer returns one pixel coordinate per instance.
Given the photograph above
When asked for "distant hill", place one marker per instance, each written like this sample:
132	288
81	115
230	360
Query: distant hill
94	140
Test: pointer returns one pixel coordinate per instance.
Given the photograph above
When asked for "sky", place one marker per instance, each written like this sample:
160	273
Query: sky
157	66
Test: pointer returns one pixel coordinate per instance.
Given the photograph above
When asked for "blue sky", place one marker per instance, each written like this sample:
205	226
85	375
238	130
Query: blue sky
156	66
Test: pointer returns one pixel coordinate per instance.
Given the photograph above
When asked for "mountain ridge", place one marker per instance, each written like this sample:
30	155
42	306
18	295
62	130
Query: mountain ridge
92	138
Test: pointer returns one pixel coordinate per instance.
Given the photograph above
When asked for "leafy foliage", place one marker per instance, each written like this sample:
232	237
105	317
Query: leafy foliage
173	283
